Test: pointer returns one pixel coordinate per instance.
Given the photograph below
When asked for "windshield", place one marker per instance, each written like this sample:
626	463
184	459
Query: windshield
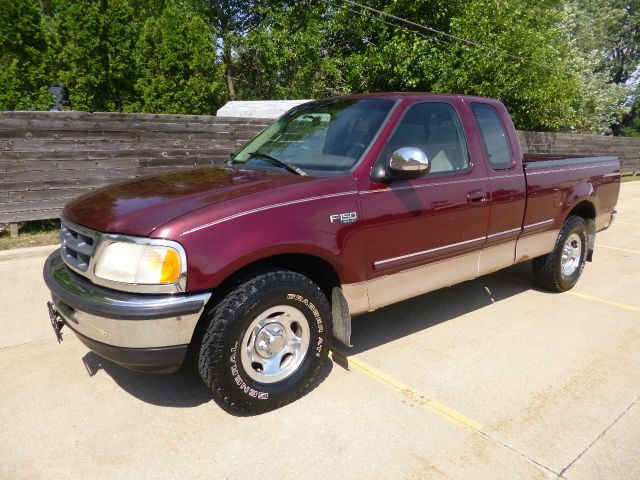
323	136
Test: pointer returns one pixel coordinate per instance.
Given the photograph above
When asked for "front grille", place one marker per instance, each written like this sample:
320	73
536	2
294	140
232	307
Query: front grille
77	247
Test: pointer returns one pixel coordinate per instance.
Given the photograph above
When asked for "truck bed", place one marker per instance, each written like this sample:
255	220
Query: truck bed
555	183
536	160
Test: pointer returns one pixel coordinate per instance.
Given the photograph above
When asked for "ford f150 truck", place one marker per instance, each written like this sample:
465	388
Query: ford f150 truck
340	207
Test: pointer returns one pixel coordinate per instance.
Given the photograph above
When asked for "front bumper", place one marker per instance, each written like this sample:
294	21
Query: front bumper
139	331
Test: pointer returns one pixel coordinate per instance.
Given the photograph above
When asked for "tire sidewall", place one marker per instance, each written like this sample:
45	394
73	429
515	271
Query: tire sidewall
311	303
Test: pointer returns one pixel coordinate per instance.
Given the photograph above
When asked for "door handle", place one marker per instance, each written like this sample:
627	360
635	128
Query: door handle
477	197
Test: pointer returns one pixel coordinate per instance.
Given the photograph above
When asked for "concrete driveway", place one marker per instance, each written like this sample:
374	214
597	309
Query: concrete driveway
487	379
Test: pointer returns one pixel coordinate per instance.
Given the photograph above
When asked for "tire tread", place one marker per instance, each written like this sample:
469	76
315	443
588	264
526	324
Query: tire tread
545	268
221	316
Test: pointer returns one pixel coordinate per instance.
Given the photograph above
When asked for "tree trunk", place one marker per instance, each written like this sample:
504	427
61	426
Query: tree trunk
226	57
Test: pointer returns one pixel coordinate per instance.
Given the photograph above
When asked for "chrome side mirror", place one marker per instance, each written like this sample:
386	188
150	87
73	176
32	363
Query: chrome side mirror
409	162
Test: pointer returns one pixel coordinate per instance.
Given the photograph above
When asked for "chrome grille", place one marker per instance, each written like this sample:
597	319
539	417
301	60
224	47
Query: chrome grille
77	247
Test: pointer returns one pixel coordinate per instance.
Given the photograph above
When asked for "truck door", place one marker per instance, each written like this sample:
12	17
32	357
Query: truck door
507	187
426	233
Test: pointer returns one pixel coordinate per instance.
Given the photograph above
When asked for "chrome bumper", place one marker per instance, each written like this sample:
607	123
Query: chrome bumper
605	220
121	323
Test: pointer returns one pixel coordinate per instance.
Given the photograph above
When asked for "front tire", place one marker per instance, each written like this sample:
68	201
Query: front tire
560	270
265	341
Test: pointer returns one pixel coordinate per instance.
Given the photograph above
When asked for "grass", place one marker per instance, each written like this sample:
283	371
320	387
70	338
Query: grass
630	178
31	234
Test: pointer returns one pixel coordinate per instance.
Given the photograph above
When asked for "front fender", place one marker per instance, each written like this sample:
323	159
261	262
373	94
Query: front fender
217	249
214	272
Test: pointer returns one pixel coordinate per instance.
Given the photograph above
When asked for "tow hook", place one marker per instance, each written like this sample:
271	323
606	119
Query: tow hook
56	321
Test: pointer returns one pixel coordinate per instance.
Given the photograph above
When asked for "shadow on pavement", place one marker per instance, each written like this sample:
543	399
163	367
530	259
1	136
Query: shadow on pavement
410	316
182	389
185	389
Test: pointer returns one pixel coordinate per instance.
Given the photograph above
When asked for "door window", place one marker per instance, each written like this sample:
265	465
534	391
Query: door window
494	138
435	129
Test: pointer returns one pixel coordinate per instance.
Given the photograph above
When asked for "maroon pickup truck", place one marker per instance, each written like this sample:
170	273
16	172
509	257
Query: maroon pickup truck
340	207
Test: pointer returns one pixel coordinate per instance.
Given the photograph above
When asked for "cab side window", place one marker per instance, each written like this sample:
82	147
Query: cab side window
495	141
435	129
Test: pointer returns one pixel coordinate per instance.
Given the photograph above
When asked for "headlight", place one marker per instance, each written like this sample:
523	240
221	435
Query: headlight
142	264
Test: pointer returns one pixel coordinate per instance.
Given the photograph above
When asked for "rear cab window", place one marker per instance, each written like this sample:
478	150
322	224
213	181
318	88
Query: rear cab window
494	136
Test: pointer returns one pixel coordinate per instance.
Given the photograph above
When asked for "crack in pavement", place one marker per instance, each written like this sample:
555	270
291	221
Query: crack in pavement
6	347
351	361
517	452
599	437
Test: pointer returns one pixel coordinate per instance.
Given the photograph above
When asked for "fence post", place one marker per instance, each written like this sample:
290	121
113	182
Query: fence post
13	228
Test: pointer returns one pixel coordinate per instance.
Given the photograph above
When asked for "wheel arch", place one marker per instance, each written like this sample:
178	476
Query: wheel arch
318	269
586	210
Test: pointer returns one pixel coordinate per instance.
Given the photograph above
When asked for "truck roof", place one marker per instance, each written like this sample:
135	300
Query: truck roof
404	95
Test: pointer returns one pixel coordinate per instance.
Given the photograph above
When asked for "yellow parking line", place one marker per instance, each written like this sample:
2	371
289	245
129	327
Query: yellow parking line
576	294
424	401
599	245
602	300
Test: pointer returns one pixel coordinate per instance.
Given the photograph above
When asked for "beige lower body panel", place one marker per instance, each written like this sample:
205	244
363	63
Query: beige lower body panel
410	283
380	292
357	297
533	246
496	257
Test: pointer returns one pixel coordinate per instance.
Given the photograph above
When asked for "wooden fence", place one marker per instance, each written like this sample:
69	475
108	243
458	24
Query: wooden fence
48	158
625	148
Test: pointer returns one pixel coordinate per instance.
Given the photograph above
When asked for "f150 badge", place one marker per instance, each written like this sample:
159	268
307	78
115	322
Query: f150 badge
349	217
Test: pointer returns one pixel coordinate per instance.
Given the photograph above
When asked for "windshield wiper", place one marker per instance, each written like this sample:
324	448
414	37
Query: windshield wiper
278	163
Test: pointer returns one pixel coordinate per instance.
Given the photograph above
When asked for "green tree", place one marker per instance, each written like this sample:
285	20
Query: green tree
556	64
623	58
527	65
23	57
94	41
291	54
622	50
605	38
232	19
314	50
633	130
176	64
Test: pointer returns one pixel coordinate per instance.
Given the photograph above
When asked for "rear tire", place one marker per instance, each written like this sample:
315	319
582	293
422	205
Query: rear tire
560	270
265	342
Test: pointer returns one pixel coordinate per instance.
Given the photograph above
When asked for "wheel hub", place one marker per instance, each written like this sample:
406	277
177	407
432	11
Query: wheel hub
571	255
275	344
270	340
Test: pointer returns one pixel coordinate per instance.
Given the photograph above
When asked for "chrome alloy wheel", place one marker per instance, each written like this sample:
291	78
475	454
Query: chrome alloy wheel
275	344
571	255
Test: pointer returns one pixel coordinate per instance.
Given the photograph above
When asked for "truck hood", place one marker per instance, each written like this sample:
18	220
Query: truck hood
138	207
